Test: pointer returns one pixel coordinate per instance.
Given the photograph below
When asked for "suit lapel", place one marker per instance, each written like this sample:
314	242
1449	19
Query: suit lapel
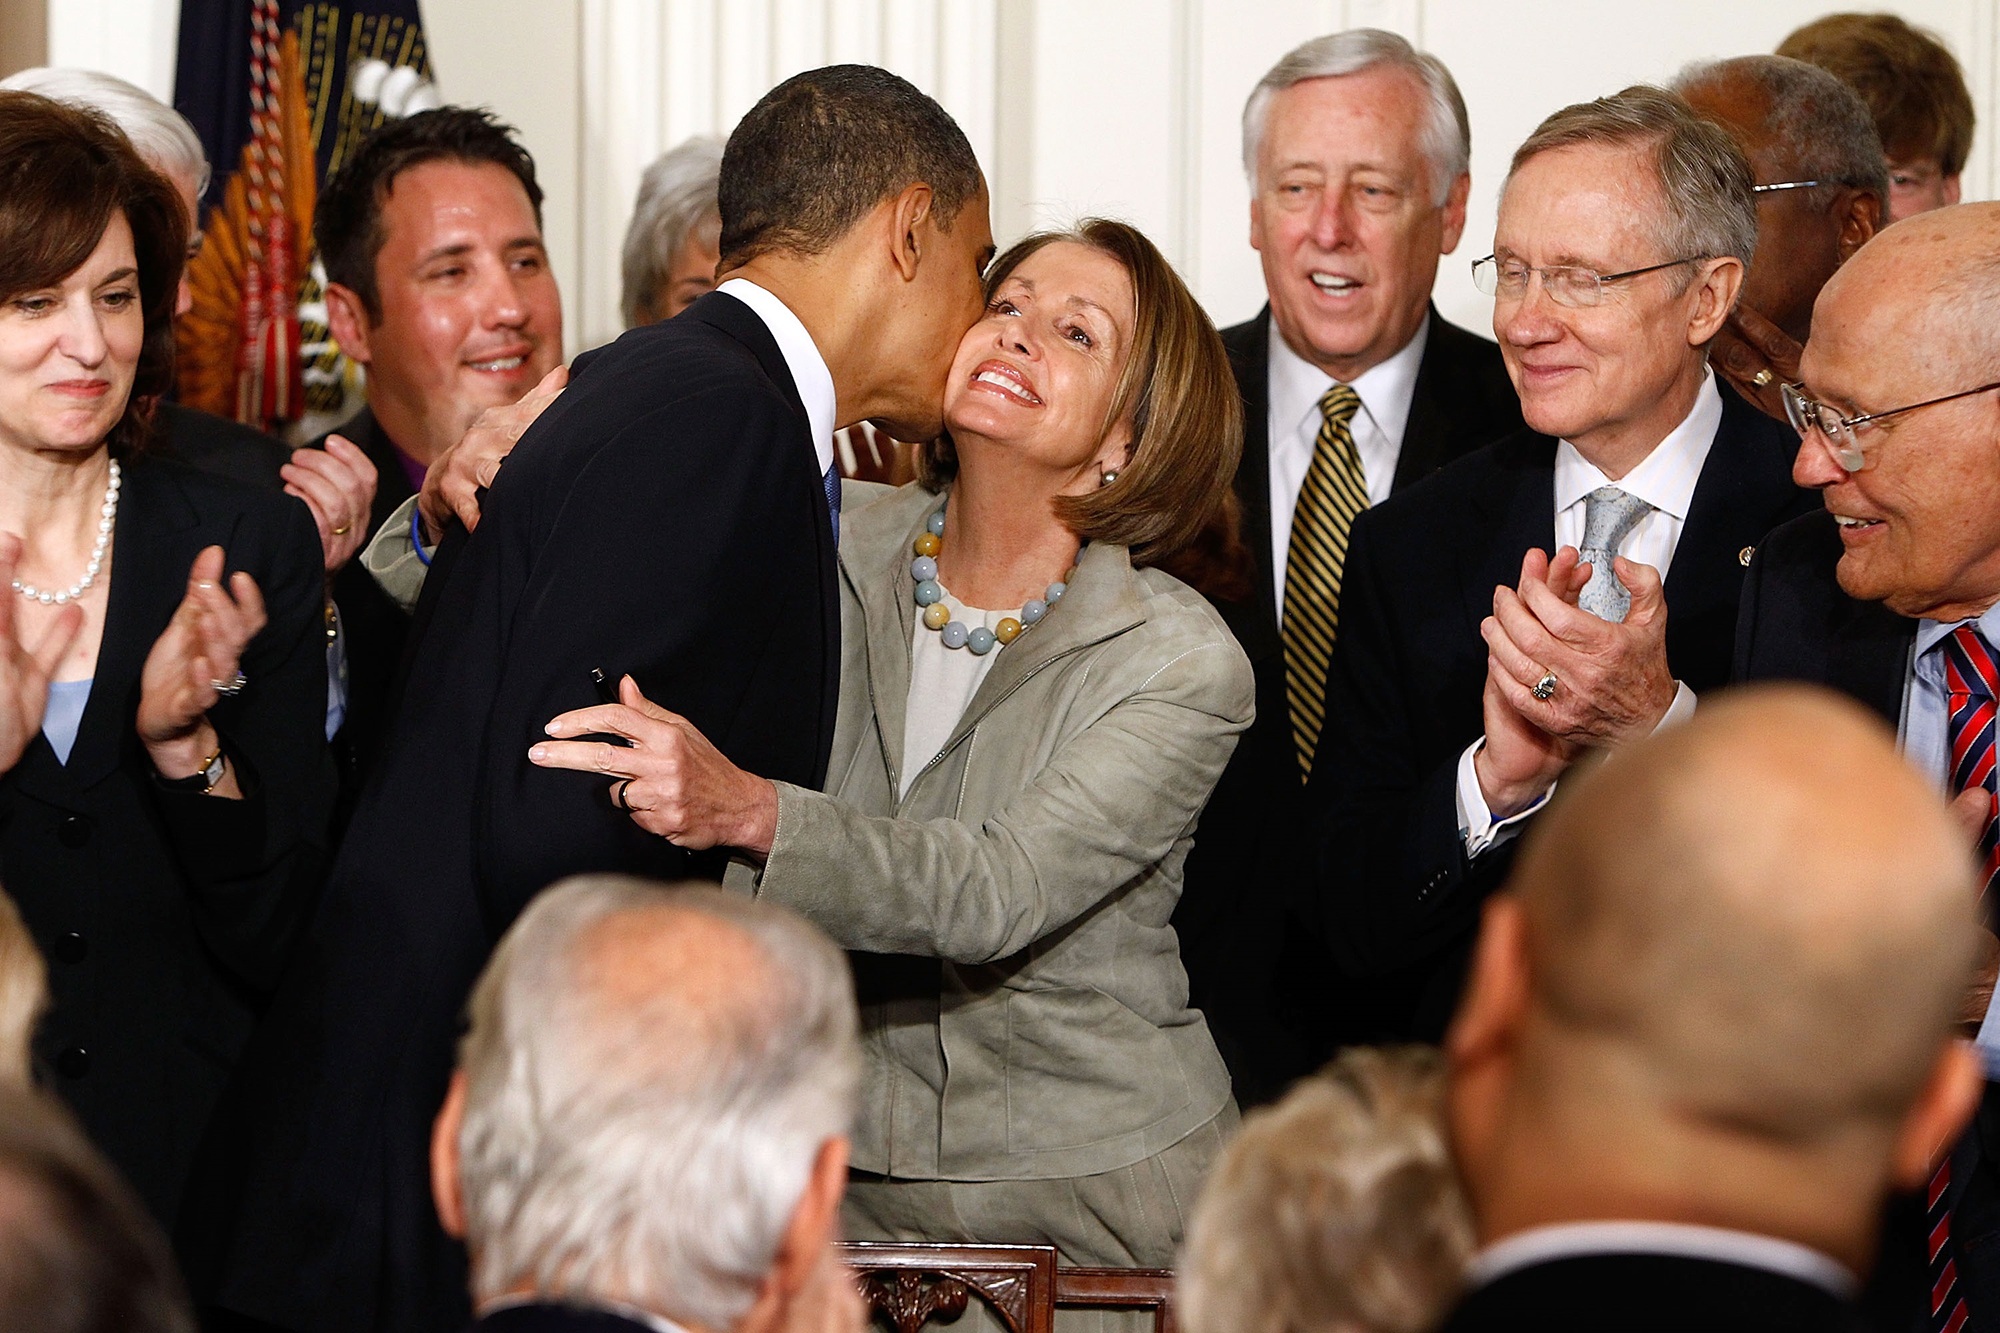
1516	513
1871	660
148	576
740	322
1745	489
1428	432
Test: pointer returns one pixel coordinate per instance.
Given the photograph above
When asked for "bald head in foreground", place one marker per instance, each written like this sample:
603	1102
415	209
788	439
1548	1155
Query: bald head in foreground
650	1115
1702	1045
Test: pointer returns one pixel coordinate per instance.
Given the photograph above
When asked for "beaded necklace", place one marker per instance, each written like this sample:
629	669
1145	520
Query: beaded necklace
930	596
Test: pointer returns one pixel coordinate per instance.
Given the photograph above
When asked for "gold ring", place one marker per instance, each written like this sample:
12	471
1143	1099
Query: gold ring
1762	379
342	530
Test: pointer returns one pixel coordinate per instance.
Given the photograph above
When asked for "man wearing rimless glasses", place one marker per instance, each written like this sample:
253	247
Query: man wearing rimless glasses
1892	594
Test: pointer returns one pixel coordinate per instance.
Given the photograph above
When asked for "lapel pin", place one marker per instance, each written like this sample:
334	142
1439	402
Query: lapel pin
1743	556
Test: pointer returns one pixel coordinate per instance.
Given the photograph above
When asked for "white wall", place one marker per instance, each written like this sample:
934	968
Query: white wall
1126	107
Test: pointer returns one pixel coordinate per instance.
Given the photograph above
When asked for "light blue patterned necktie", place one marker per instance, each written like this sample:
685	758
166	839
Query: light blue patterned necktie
1609	514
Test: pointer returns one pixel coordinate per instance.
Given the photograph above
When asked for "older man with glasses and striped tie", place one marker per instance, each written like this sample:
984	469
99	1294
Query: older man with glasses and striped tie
1511	613
1892	594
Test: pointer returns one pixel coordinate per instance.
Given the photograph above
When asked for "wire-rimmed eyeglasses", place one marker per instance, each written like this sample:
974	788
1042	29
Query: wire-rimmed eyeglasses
1565	284
1839	432
1784	185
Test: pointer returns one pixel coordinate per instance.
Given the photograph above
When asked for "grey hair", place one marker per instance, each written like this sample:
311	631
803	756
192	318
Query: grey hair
1704	176
1823	129
1447	132
649	1151
676	202
1334	1211
160	134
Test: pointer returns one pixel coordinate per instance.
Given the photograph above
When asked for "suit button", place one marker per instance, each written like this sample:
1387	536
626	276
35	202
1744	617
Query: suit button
73	830
72	1062
71	948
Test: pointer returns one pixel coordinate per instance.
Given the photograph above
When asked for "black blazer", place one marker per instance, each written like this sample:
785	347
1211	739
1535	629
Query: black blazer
166	917
1649	1293
556	1318
218	446
664	518
1387	877
1269	993
373	627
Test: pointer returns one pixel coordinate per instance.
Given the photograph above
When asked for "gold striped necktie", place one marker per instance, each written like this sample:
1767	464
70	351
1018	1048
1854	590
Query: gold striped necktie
1334	491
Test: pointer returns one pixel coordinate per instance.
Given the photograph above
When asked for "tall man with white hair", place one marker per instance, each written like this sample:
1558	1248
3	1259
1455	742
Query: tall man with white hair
1473	665
648	1126
1356	147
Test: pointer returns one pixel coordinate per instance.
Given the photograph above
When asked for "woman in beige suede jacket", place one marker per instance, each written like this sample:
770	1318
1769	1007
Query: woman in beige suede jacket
1012	792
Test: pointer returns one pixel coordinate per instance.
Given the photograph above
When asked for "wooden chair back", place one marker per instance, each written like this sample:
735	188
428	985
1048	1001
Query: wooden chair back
909	1286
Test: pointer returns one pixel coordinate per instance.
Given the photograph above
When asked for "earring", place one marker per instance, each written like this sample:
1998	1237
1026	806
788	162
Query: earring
1105	479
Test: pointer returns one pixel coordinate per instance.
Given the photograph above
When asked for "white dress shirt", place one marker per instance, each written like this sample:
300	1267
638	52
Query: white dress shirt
1925	733
1571	1240
1664	479
1295	386
809	373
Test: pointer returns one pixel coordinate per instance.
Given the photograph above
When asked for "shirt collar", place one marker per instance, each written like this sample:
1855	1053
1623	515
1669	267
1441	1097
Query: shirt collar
657	1323
1385	389
1666	478
809	373
1569	1240
1930	633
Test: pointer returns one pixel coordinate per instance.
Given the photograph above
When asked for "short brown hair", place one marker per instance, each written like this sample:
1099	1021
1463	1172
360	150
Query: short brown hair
64	171
822	149
1907	76
1703	176
1177	390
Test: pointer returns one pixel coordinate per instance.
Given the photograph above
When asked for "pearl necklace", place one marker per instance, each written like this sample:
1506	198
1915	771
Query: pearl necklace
937	616
107	519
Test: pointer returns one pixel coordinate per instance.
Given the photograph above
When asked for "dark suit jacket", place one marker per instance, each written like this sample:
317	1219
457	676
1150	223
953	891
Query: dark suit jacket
1388	878
373	627
664	518
1646	1293
1268	991
1797	624
167	916
218	446
555	1318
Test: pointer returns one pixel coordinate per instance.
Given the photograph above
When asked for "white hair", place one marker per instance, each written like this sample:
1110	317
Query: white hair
677	200
1446	137
650	1151
160	134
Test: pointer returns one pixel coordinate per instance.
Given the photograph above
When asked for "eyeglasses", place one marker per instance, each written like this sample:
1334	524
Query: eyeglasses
1565	284
1784	185
1840	432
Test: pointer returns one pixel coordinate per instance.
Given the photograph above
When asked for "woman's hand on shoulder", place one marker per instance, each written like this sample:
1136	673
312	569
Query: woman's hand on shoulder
193	661
672	781
26	670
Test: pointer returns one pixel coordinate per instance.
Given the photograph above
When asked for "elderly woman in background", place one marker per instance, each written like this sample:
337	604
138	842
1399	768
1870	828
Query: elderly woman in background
1032	716
1337	1210
162	826
671	243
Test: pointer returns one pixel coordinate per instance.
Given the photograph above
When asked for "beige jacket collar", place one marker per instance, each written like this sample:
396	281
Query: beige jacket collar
876	548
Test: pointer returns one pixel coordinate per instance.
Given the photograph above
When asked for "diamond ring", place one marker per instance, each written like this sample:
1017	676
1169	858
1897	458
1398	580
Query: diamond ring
229	689
1545	688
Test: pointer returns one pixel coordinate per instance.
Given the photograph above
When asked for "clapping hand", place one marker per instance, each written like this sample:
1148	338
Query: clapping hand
1612	682
193	662
452	485
338	485
25	671
1519	759
671	780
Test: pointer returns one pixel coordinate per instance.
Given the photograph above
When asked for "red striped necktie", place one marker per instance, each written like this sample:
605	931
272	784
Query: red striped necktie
1972	684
